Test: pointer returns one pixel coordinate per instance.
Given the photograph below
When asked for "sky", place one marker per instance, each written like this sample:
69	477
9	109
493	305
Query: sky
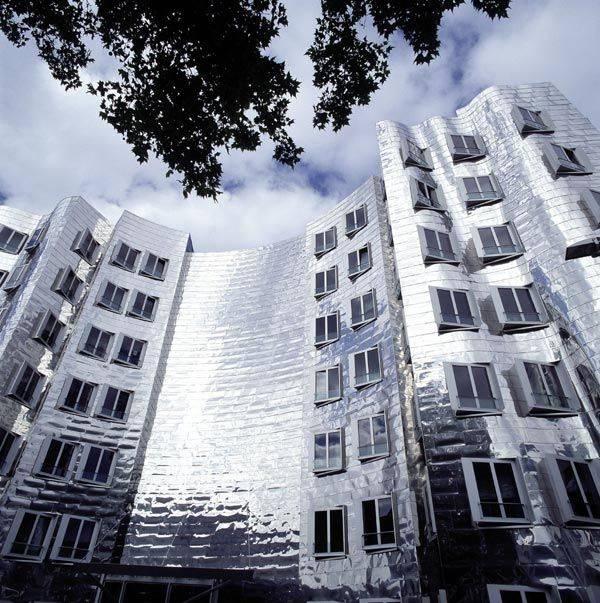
53	144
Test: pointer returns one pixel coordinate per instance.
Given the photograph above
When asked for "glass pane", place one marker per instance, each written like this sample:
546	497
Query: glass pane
370	535
483	387
182	593
463	309
329	238
332	326
555	390
24	536
69	539
536	383
111	591
464	388
446	306
321	451
334	383
321	532
353	262
350	224
446	246
505	239
321	385
361	217
320	329
508	490
485	184
139	592
91	464
386	521
471	186
106	459
589	488
535	598
510	596
574	494
487	492
380	441
360	367
509	304
368	307
487	241
527	306
319	242
356	310
335	449
320	282
373	361
336	518
364	436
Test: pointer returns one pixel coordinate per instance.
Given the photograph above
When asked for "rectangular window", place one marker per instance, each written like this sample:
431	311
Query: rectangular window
155	267
37	236
465	147
500	593
425	194
49	330
11	241
125	257
519	308
359	261
497	243
330	533
367	367
372	437
67	284
473	389
378	524
436	246
97	465
479	190
75	539
56	459
591	200
325	241
327	329
355	220
328	384
77	395
96	343
25	385
130	351
17	274
116	404
363	309
29	535
529	121
328	452
9	448
414	156
454	310
3	275
325	281
86	246
566	161
112	297
143	306
496	491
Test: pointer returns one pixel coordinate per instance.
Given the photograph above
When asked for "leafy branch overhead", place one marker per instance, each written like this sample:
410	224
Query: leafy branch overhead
196	79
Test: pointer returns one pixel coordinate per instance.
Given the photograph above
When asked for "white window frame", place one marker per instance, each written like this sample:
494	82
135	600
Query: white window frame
330	468
102	397
101	295
65	390
60	534
327	370
17	274
36	237
41	457
89	252
527	126
152	275
498	256
14	529
430	257
421	201
559	166
330	554
14	382
372	455
14	446
371	380
87	448
115	358
445	326
42	321
360	268
486	198
462	410
64	275
86	333
331	270
132	301
324	248
364	321
588	196
532	404
512	325
350	232
494	592
11	237
329	337
460	154
380	547
115	253
475	501
420	160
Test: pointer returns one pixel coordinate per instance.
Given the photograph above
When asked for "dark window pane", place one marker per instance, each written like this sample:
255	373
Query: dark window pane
336	518
386	521
471	185
589	489
463	309
483	386
446	306
182	593
527	306
574	494
332	325
369	522
535	598
510	596
462	379
321	532
379	435
138	592
508	490
509	303
488	497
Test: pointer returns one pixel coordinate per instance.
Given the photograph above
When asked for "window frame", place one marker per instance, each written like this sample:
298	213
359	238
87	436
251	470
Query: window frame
526	126
514	326
447	326
559	167
328	339
326	370
496	258
14	232
14	529
115	253
86	333
65	391
132	302
382	547
330	554
326	292
592	204
462	411
325	249
17	273
423	162
43	452
361	270
41	323
60	534
417	196
329	470
351	232
359	324
495	595
117	349
63	275
460	157
145	258
34	240
84	253
496	197
101	398
83	458
14	448
372	455
370	381
15	381
430	258
101	294
474	497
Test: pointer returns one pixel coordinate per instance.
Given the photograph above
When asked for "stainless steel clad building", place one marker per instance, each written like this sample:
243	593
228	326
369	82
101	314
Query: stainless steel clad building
398	405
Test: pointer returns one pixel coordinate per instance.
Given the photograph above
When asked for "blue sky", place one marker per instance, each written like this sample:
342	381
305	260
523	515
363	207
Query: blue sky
53	144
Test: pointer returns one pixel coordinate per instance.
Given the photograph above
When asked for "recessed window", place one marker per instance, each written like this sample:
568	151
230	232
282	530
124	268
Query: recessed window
143	306
415	156
355	220
97	465
454	310
125	257
56	459
96	343
426	195
501	593
497	243
591	199
566	161
325	281
379	532
25	385
325	241
112	297
9	448
465	147
330	533
328	452
11	241
29	535
328	384
17	274
130	351
86	246
363	309
529	121
36	238
154	267
115	404
367	367
77	395
327	328
479	190
67	284
75	539
436	247
473	389
48	330
359	261
547	389
496	491
519	308
372	437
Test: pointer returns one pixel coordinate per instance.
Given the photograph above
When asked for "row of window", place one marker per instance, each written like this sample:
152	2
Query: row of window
327	240
114	298
126	257
359	261
97	343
